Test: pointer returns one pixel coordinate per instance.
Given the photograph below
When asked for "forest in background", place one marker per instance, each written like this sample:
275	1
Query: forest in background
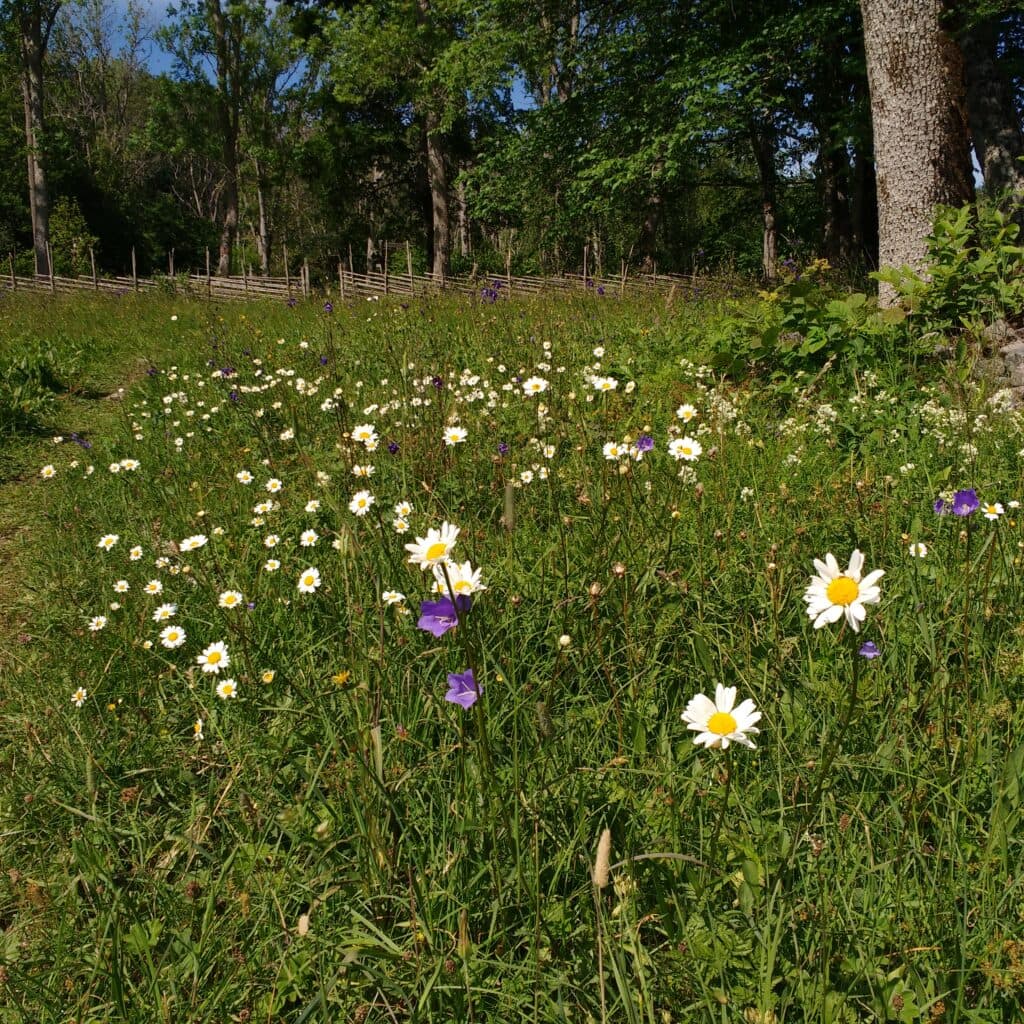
683	136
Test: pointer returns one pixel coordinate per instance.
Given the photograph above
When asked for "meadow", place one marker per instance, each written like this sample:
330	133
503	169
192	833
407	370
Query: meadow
353	658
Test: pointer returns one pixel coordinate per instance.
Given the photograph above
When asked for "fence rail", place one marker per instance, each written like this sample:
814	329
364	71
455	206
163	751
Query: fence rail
347	284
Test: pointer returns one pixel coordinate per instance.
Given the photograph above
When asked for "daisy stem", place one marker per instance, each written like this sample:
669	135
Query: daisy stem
713	849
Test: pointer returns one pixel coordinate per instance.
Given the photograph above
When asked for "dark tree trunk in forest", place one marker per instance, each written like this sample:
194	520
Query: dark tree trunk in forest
227	59
915	73
837	225
763	142
994	120
865	206
263	224
437	178
35	21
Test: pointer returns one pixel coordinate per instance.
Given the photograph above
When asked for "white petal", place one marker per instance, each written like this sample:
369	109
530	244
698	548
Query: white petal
725	697
856	565
833	566
831	614
872	578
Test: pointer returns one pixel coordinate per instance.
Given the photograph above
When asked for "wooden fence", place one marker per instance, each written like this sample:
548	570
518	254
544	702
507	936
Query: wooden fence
348	285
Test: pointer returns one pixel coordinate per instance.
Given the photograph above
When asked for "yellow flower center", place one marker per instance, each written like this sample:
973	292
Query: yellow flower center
436	550
842	590
213	657
307	580
721	723
463	587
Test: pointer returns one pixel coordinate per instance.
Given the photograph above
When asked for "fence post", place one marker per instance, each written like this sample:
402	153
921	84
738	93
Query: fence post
305	278
135	273
287	275
341	282
508	267
622	283
351	265
14	280
209	283
170	263
408	260
586	260
385	267
245	279
49	259
92	263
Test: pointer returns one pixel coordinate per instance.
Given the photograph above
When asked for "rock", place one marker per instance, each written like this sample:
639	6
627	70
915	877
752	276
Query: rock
992	369
997	333
1013	354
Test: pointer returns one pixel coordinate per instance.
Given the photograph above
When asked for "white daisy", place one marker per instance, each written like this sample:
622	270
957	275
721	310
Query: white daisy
154	587
534	386
361	502
392	597
992	510
164	612
365	433
833	593
718	723
47	472
214	658
191	543
613	450
454	436
685	449
271	565
136	553
309	580
434	548
121	587
172	636
464	578
313	505
97	622
273	485
227	688
230	599
107	541
918	549
78	697
308	538
243	476
686	413
403	509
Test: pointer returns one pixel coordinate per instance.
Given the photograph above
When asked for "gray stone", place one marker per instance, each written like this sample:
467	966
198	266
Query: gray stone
997	333
1013	354
991	369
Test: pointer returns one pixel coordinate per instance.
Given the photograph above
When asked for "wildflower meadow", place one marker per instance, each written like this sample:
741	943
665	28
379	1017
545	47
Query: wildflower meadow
502	659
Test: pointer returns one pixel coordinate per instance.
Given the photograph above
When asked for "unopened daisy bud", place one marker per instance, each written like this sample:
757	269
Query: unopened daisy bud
618	570
603	859
564	640
595	589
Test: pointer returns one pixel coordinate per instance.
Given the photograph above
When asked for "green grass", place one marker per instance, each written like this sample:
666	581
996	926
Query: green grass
344	844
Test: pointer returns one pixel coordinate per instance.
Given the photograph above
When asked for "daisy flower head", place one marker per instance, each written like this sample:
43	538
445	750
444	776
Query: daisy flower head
685	449
361	502
992	510
464	579
273	485
214	658
604	384
918	549
719	722
403	509
392	597
172	636
363	471
243	476
47	473
197	730
227	688
267	676
107	541
364	433
613	450
154	587
78	697
454	436
97	622
230	599
313	505
121	587
164	612
136	553
192	543
271	540
309	580
835	593
428	551
686	413
308	538
399	525
534	386
271	565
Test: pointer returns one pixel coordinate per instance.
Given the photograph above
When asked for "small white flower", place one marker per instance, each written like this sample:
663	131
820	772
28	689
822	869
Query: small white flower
834	593
309	580
718	723
361	502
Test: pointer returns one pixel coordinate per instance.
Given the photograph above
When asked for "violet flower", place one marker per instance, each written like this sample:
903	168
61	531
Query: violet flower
963	504
437	617
869	650
462	689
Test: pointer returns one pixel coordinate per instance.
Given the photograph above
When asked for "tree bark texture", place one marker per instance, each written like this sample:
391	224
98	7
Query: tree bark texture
227	60
995	124
437	178
35	23
916	78
763	142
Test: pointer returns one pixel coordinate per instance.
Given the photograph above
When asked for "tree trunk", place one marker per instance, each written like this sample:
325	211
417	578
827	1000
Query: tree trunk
834	179
916	78
763	141
437	178
462	219
995	125
227	124
263	226
35	22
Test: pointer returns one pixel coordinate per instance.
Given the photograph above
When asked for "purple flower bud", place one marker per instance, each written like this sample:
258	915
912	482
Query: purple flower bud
393	447
869	650
328	307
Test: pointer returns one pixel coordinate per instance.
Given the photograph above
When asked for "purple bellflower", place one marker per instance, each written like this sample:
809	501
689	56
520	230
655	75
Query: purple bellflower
462	688
437	617
963	504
